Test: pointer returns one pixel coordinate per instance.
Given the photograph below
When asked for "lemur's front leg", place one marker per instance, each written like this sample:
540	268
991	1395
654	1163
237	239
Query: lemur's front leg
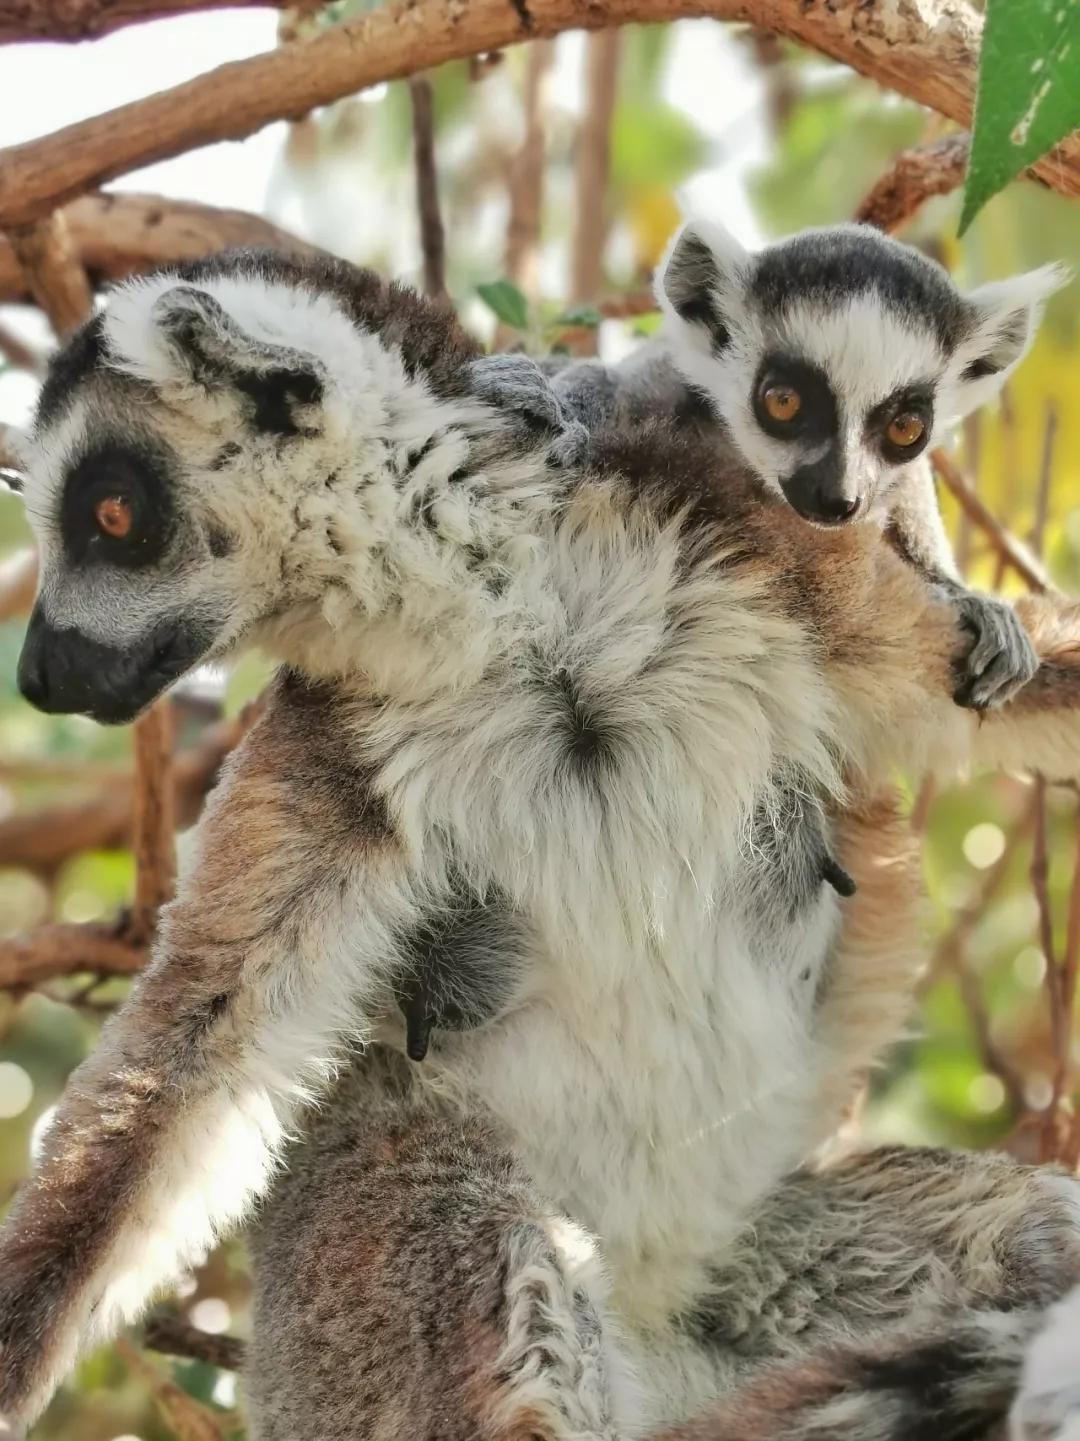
1000	658
277	949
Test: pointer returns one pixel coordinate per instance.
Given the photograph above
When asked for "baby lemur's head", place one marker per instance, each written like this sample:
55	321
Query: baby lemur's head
835	357
215	450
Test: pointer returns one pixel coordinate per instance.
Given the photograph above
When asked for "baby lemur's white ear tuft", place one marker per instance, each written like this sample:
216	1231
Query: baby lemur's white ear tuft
1003	319
699	280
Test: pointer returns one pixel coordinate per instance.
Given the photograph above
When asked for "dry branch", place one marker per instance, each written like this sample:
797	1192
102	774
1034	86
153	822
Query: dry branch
592	158
914	176
152	822
88	19
50	952
173	1336
44	839
1011	550
53	272
927	52
114	236
525	174
186	1418
432	233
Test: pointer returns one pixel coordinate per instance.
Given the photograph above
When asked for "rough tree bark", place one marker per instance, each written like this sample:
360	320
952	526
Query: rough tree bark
925	49
113	236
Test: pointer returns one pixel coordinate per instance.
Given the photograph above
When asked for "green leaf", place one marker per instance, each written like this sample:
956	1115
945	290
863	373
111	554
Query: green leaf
1029	92
507	301
580	317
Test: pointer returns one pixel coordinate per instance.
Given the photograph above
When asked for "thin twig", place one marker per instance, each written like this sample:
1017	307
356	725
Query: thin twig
152	824
188	1419
592	158
1046	472
173	1336
525	182
1069	973
1010	549
432	231
46	838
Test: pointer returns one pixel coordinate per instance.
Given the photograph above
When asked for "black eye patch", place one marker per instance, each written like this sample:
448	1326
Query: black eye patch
140	479
916	400
817	418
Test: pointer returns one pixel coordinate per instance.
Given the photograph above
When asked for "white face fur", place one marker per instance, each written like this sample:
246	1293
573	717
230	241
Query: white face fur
834	358
186	474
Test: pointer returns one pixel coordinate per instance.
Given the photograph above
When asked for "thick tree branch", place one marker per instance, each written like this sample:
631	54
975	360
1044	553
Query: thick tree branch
914	176
53	272
114	236
88	19
927	51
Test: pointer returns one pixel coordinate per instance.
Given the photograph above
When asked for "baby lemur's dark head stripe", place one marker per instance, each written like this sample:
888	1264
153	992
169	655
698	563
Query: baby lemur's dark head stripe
833	267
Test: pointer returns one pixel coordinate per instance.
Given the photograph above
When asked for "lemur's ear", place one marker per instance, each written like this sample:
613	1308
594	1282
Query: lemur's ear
217	350
1002	320
699	279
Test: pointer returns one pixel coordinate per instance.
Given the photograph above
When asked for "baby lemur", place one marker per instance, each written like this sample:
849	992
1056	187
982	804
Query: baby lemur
558	747
829	361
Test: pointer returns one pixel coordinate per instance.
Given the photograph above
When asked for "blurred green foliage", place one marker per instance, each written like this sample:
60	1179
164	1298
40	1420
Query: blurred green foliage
836	136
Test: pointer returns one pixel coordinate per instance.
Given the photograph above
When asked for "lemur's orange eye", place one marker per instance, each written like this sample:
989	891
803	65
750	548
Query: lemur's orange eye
905	430
781	402
114	516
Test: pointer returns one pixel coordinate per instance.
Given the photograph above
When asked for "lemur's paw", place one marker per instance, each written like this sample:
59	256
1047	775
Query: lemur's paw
1001	657
1047	1407
516	383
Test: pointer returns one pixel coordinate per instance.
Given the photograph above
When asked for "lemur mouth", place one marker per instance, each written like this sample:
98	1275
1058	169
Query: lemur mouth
63	672
831	519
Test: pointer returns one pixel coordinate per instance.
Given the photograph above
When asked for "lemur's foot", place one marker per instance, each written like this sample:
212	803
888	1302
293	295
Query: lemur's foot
516	383
1001	658
1047	1407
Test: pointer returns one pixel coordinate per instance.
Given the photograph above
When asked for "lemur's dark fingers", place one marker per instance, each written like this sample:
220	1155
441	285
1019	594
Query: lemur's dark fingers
170	1130
1001	659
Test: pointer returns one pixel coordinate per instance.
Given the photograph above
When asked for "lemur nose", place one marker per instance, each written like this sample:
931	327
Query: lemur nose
837	507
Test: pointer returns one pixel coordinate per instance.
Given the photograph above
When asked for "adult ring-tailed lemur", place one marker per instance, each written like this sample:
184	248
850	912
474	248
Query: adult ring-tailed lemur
552	768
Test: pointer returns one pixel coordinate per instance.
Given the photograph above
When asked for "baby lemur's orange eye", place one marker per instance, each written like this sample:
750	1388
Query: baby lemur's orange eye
905	430
781	402
114	516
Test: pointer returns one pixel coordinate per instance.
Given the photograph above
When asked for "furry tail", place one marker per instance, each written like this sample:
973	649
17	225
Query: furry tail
955	1382
1039	729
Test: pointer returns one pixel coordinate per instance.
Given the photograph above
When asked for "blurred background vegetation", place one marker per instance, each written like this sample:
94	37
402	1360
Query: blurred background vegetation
735	123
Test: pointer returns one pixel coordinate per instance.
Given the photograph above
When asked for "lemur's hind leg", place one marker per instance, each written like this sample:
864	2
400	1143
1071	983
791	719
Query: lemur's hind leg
950	1377
889	1298
411	1286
